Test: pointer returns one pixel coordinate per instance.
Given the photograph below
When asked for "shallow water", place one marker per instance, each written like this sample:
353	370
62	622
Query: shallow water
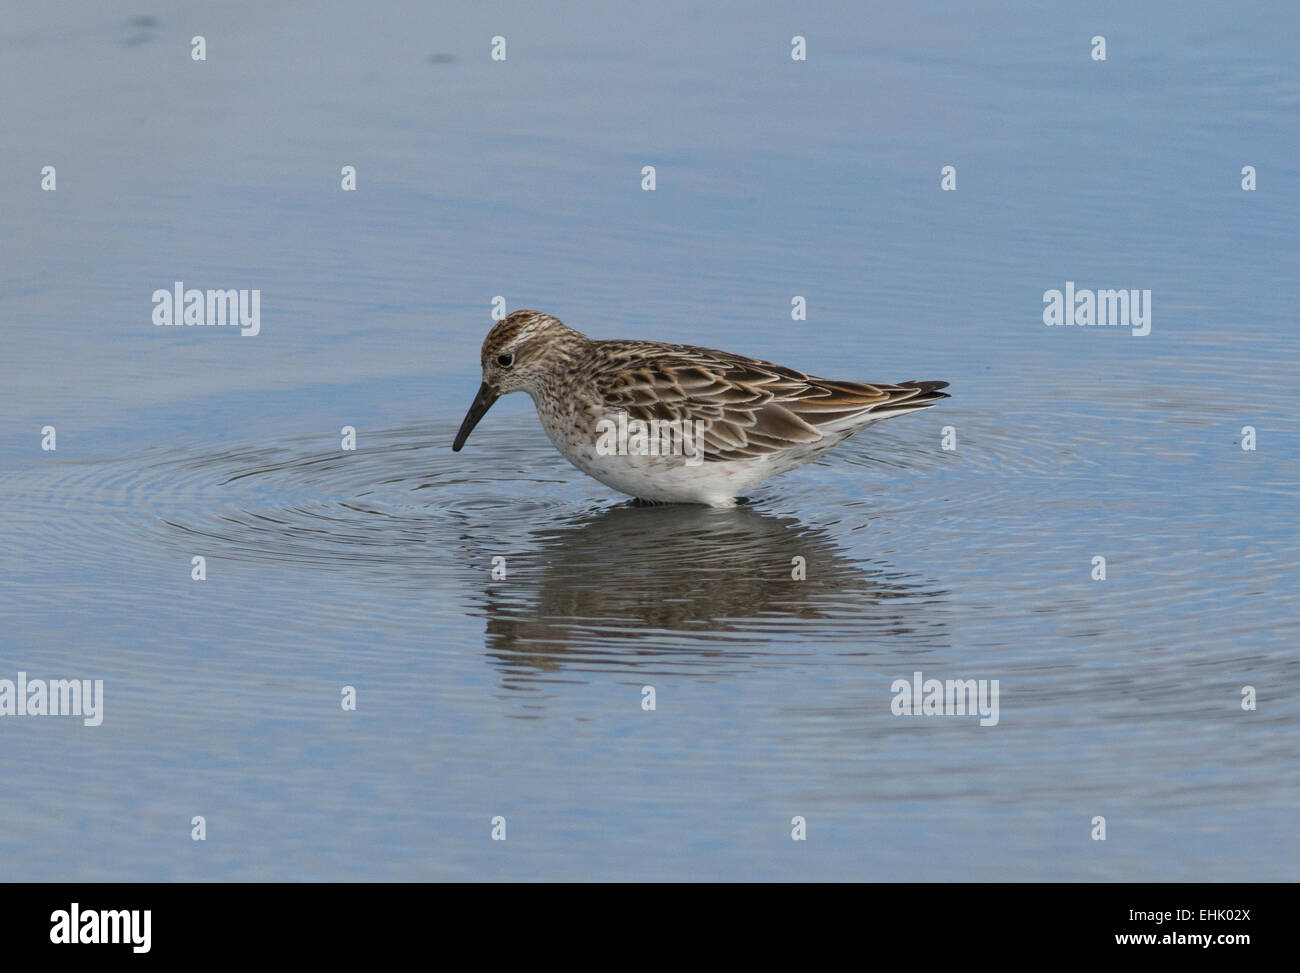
522	696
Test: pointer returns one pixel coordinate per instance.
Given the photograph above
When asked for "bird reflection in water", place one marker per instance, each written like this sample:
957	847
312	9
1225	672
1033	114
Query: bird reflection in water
687	589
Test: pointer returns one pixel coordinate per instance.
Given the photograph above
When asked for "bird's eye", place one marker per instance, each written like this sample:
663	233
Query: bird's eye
505	361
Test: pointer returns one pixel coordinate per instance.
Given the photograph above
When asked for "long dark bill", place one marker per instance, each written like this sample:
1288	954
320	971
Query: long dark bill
477	410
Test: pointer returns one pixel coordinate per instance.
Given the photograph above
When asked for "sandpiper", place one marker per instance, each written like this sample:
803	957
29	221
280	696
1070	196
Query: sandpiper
675	423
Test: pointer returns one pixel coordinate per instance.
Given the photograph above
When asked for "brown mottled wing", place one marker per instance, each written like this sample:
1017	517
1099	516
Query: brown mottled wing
751	408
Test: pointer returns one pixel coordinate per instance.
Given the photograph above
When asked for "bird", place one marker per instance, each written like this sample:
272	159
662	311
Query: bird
668	423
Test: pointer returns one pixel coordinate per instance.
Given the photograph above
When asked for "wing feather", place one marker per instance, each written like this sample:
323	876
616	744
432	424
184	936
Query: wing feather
751	408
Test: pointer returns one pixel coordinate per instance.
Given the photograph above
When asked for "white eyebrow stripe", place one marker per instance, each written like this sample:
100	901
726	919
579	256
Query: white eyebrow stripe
523	333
